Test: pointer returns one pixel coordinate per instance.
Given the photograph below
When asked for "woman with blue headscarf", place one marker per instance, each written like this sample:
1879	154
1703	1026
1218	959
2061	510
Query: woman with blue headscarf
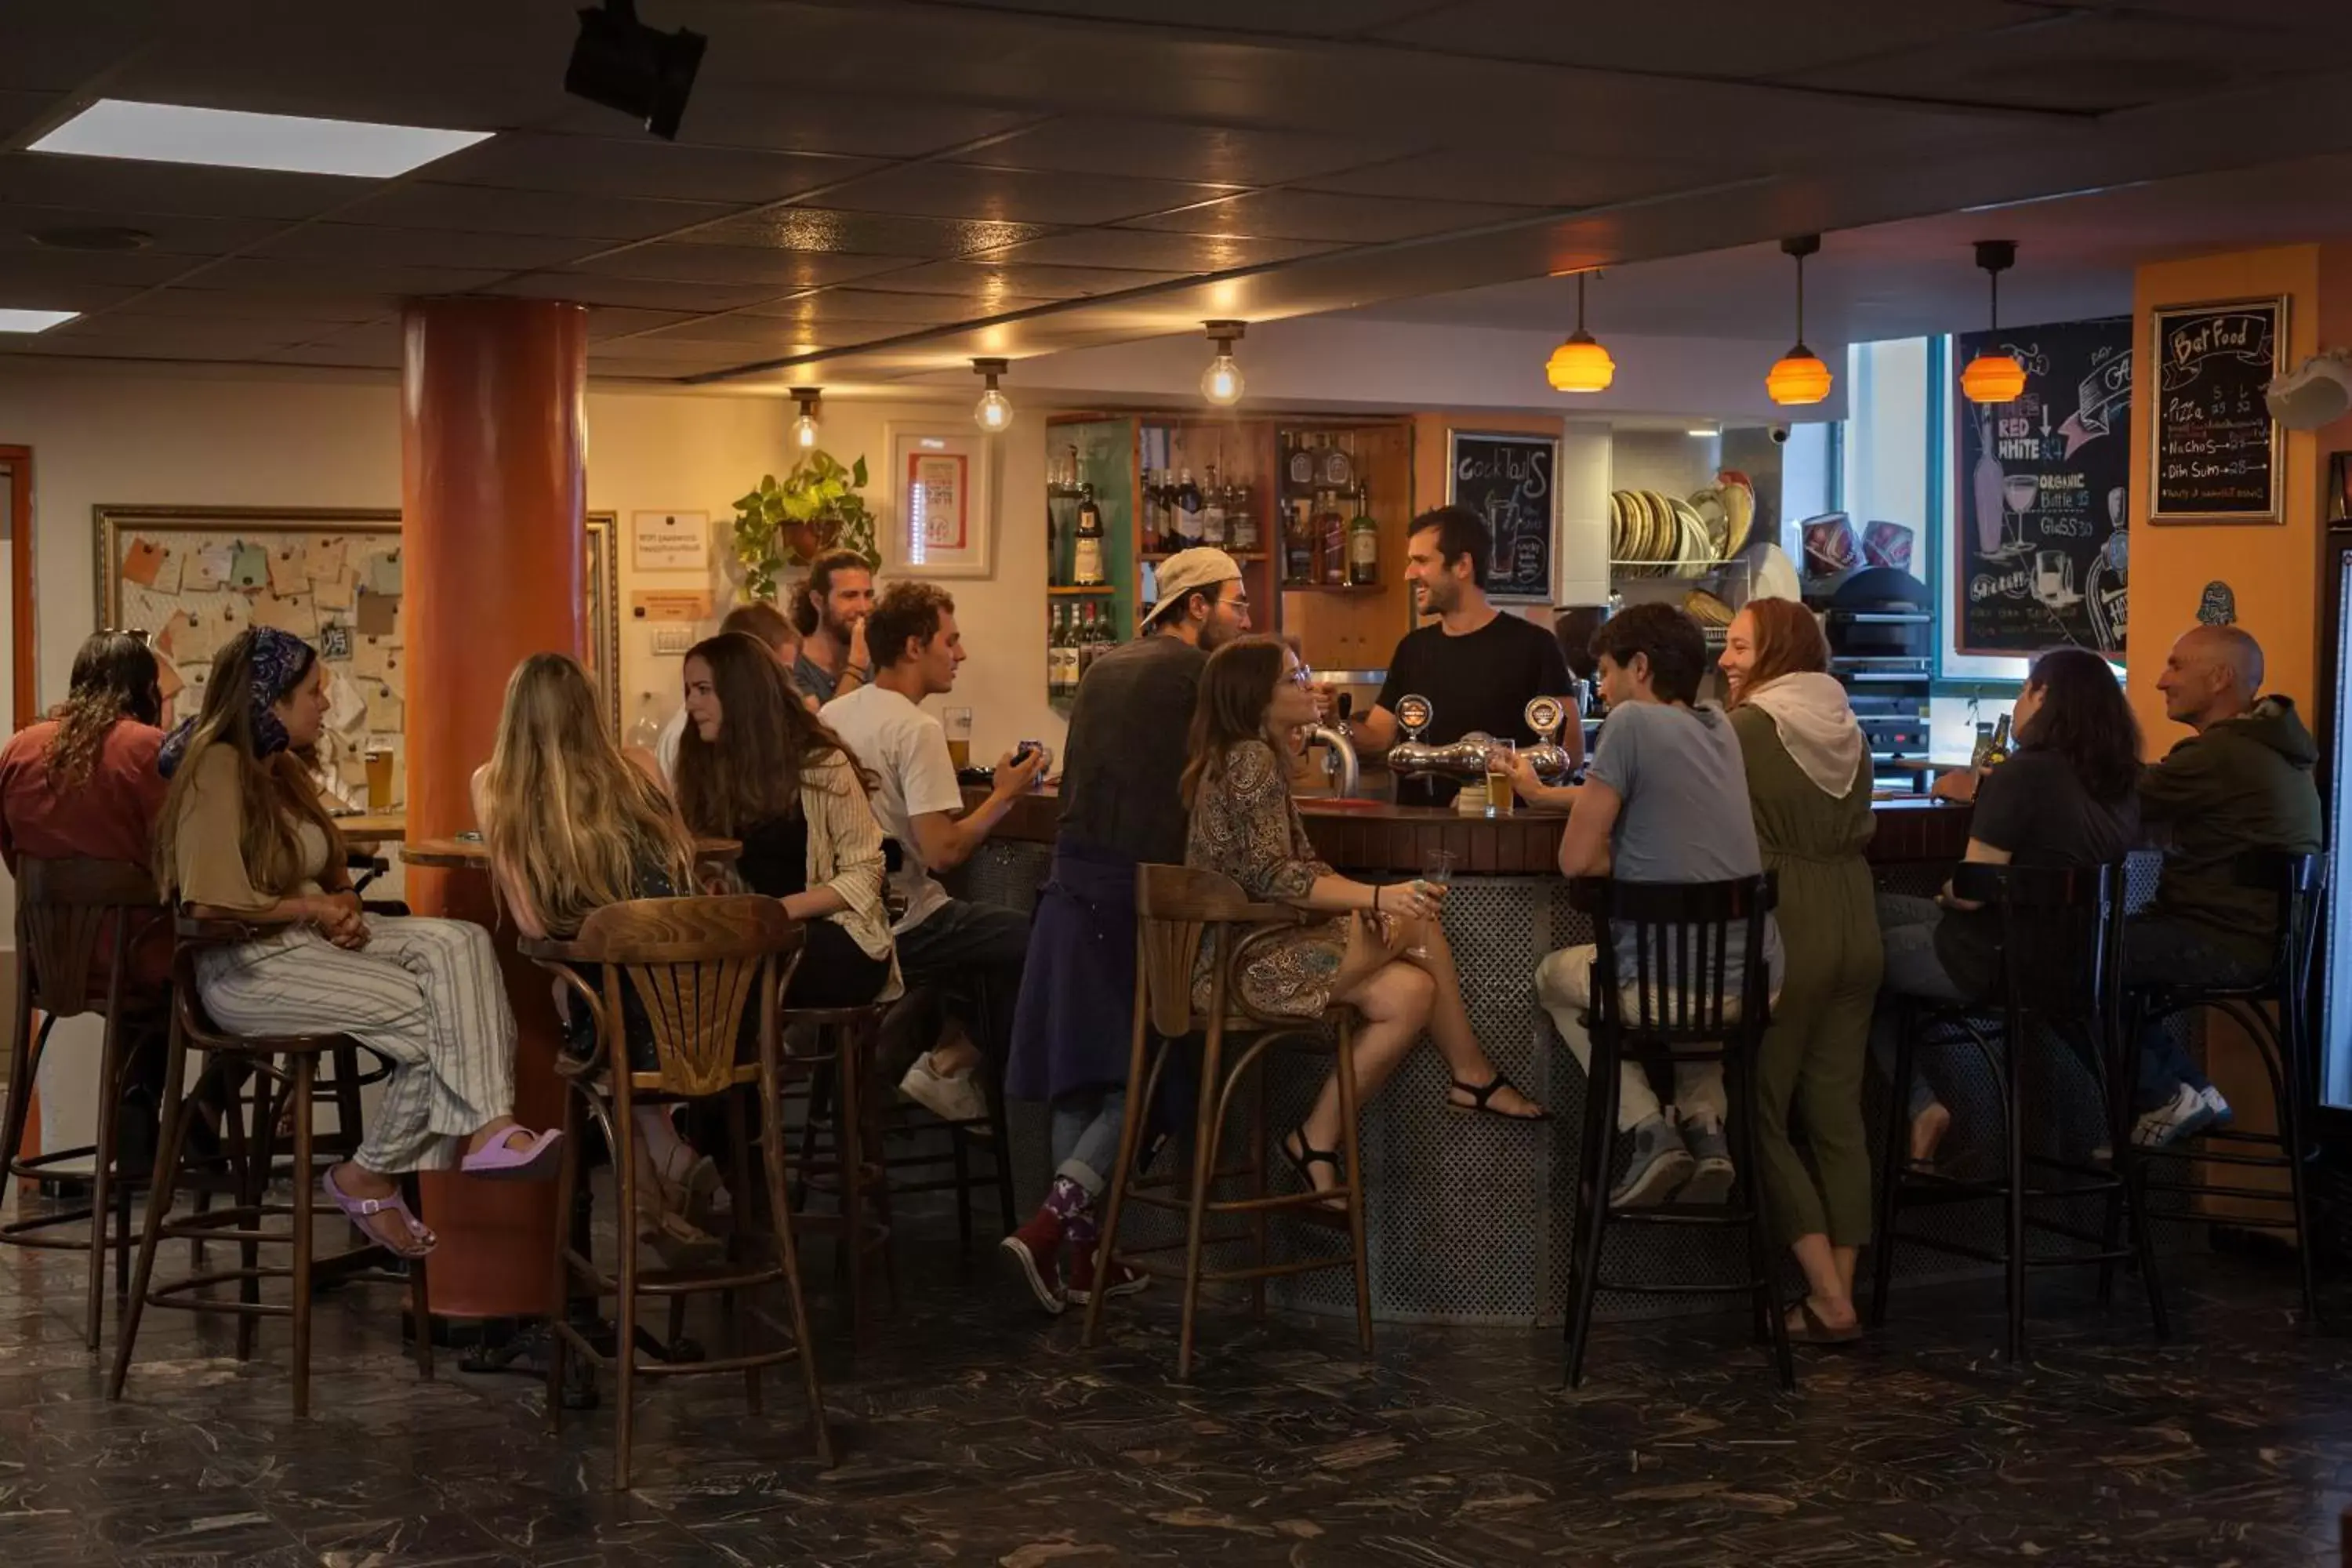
244	837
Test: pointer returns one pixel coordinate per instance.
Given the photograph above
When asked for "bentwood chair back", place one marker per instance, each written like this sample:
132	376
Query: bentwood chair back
1178	908
2276	1012
68	911
692	966
1675	1006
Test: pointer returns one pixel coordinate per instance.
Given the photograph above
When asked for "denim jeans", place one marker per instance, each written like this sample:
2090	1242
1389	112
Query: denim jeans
2160	950
1906	927
958	946
1084	1136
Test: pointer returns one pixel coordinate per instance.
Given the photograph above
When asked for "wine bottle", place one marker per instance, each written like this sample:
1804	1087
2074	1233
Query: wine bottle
1086	566
1212	512
1363	548
1053	652
1187	513
1241	519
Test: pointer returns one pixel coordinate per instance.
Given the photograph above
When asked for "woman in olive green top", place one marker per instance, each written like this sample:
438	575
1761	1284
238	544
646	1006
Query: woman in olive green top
1808	782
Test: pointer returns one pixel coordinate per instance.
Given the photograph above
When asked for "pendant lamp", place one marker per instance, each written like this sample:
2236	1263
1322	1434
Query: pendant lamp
1994	376
1799	376
993	412
805	431
1579	365
1222	381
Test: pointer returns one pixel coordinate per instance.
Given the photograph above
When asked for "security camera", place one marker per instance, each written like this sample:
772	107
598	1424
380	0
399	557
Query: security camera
1780	434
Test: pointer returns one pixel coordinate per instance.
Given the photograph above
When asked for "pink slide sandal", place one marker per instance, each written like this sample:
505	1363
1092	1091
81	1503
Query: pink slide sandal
503	1163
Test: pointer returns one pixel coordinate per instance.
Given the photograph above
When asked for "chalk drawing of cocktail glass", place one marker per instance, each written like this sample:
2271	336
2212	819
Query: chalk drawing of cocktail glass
2016	494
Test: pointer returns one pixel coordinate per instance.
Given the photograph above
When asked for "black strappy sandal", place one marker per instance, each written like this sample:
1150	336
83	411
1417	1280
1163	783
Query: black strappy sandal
1480	1094
1307	1156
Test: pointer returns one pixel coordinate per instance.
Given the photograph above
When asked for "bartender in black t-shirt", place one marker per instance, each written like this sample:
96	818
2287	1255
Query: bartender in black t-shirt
1479	666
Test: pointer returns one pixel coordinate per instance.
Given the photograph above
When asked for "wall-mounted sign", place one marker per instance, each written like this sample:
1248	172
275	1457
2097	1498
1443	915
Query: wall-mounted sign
2216	452
670	540
2041	556
669	605
1513	482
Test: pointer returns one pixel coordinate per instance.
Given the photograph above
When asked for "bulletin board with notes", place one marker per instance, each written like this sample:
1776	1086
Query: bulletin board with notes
194	577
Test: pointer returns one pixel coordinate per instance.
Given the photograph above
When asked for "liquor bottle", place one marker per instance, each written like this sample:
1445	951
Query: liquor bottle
1212	510
1087	564
1297	543
1070	670
1160	531
1187	513
1340	466
1054	631
1241	519
2000	751
1053	542
1332	527
1363	547
1983	747
1301	461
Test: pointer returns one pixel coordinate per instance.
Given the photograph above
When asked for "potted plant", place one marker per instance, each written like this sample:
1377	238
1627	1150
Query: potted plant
815	508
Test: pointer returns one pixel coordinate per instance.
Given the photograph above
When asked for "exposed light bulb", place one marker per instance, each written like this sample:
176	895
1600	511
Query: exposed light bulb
804	431
993	412
1221	383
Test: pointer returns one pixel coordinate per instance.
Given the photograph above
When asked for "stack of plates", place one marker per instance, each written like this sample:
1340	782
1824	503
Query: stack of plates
1728	511
1655	535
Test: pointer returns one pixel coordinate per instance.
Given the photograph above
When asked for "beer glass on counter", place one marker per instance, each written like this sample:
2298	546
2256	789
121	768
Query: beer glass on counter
1500	798
958	721
379	778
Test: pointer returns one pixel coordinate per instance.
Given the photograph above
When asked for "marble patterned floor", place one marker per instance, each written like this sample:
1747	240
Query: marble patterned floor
978	1431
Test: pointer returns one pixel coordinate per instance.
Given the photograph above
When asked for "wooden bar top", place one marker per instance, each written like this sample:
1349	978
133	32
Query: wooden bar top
1372	835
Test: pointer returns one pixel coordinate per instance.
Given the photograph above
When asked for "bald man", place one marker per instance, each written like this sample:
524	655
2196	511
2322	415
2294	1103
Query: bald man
2243	781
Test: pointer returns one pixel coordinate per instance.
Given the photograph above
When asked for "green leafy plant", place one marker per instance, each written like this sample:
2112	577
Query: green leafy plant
815	508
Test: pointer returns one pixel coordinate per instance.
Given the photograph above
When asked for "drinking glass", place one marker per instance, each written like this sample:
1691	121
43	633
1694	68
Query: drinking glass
1438	872
379	778
1501	796
958	723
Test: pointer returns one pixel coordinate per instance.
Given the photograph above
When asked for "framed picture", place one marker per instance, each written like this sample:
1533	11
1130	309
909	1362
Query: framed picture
601	571
940	521
2216	455
1512	481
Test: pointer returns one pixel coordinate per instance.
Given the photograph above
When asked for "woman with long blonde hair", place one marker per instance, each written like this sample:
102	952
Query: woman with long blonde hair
244	837
1809	772
575	822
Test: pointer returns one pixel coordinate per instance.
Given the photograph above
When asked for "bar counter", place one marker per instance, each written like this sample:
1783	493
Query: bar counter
1468	1217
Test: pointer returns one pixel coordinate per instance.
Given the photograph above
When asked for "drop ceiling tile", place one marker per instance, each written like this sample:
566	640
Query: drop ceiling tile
170	234
991	278
759	336
308	310
1142	250
423	247
638	293
883	305
33	268
642	166
861	124
426	205
1014	196
259	274
54	48
75	295
1534	178
1300	18
116	186
1168	150
679	261
181	336
1314	215
614	322
342	356
871	234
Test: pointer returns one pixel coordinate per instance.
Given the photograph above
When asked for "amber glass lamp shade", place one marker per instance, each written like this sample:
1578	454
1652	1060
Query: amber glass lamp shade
1579	365
1798	377
1992	378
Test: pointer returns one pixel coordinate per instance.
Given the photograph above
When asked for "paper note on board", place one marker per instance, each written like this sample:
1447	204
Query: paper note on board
168	683
395	671
337	591
376	614
286	613
208	568
141	560
248	567
386	711
169	571
383	573
369	656
289	571
323	558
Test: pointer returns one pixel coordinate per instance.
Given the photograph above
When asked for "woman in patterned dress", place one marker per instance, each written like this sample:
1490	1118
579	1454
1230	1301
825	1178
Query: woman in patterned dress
1244	825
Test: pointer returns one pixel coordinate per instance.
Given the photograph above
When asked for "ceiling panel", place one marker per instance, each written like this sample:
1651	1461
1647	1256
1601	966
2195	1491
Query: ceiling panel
879	305
31	270
1306	19
993	280
624	165
1139	250
426	205
1536	178
180	334
685	262
588	289
1167	150
262	273
306	311
1314	215
113	186
873	124
53	48
173	234
421	247
1013	195
762	339
872	233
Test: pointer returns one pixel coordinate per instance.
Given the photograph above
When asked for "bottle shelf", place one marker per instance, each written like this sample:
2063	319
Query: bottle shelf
1101	591
1331	587
1156	556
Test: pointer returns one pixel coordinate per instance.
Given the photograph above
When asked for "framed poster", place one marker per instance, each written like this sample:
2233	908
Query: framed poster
670	540
942	484
2215	453
2040	552
601	573
1512	481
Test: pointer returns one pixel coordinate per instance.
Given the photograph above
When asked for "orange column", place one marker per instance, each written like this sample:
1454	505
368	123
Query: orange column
493	443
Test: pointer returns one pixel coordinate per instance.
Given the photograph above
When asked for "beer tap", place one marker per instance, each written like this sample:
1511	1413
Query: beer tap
1466	758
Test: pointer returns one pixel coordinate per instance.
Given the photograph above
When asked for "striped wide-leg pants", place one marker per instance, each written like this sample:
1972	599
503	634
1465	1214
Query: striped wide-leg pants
425	993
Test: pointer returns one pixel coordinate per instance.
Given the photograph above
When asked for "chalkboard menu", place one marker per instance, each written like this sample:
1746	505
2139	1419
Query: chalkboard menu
1510	481
2041	554
2216	457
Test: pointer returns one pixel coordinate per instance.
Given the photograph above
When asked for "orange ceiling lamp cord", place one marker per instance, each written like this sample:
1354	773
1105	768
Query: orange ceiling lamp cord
1994	376
1579	365
1800	376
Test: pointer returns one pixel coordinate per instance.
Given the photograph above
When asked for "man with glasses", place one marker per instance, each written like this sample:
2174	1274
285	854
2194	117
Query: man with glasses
1120	809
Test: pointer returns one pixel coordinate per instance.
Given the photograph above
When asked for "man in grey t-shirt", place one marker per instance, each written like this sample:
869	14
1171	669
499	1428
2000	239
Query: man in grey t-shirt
1665	801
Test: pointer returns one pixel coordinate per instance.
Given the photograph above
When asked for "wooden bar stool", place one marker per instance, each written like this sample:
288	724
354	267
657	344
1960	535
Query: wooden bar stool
2276	1012
693	965
1176	906
2062	974
844	1148
279	1073
1674	1010
64	911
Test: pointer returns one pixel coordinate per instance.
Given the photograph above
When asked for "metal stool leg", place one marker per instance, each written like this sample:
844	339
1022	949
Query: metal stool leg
1893	1160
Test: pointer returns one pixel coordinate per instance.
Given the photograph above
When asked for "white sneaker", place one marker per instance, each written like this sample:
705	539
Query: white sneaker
956	1099
2185	1115
2223	1114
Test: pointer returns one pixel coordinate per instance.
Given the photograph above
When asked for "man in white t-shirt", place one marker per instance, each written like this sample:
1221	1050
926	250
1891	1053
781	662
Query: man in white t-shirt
757	619
971	953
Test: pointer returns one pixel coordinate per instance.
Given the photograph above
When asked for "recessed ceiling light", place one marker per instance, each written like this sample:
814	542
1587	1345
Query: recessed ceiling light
33	320
90	236
231	139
